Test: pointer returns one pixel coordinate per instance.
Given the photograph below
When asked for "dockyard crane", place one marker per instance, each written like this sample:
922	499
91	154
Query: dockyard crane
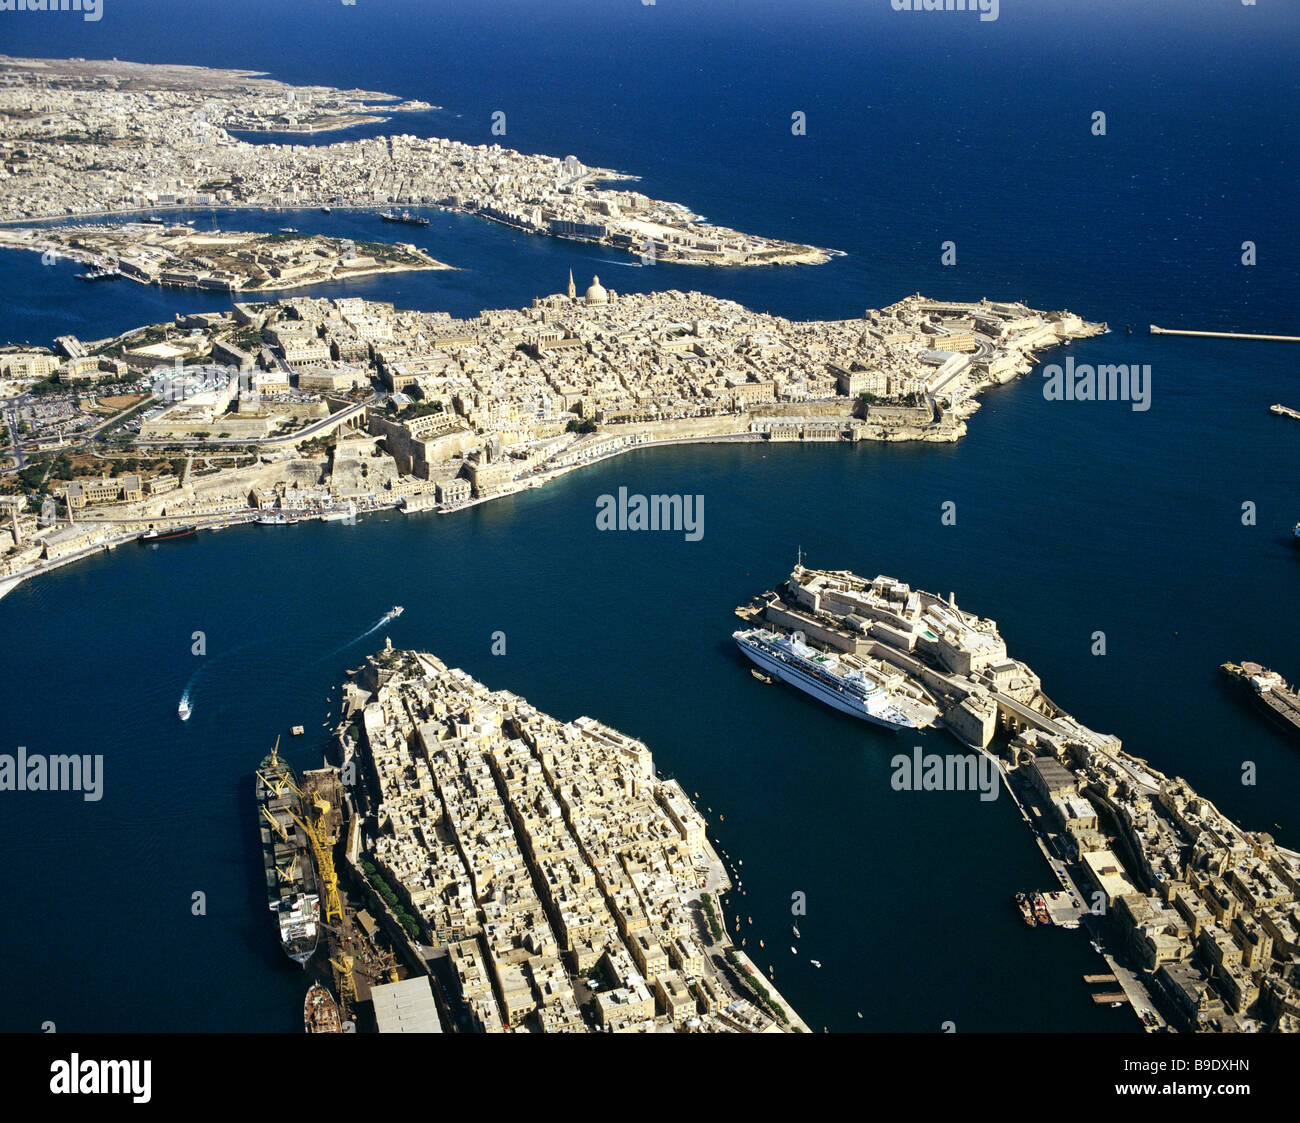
347	984
315	832
323	852
277	826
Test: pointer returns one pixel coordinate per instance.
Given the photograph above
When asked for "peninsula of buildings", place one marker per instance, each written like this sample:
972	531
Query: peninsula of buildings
557	883
81	138
1201	917
223	261
305	407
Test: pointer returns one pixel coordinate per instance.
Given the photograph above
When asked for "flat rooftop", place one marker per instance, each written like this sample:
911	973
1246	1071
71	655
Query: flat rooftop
406	1007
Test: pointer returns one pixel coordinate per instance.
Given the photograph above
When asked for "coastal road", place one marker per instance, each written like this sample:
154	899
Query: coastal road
297	437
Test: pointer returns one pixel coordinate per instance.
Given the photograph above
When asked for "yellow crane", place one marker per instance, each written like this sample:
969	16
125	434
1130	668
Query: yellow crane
276	826
323	852
347	984
321	848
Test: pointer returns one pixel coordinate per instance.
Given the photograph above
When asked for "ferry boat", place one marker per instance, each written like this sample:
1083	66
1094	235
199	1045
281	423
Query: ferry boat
273	519
160	534
183	711
849	690
320	1013
406	218
292	896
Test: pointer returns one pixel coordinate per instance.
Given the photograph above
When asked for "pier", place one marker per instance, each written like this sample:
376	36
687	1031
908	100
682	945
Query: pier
1226	334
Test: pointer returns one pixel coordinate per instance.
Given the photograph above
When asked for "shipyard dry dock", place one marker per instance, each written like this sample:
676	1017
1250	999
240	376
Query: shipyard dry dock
1201	920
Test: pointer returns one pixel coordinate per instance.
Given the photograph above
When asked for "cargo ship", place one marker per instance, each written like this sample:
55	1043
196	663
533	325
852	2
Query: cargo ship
846	688
406	218
291	888
160	534
320	1013
1270	690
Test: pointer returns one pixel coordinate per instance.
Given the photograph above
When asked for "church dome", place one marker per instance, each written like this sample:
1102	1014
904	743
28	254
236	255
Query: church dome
596	294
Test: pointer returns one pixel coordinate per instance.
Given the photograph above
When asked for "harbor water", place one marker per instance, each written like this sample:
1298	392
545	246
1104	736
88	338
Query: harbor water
1072	518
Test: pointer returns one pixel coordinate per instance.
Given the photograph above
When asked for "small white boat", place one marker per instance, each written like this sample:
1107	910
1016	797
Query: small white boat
815	962
183	711
794	950
795	929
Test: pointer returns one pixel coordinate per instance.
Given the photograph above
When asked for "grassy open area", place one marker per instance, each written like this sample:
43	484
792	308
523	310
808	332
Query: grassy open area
110	405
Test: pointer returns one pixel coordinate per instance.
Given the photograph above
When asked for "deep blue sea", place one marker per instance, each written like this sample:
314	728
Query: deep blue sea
1071	517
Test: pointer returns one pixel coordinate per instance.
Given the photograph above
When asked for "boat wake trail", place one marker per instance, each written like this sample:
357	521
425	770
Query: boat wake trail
186	705
392	614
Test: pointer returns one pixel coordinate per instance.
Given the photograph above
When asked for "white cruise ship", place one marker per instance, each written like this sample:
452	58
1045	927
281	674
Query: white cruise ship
848	689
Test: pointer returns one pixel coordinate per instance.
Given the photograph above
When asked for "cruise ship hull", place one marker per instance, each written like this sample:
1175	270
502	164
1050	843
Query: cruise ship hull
839	699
